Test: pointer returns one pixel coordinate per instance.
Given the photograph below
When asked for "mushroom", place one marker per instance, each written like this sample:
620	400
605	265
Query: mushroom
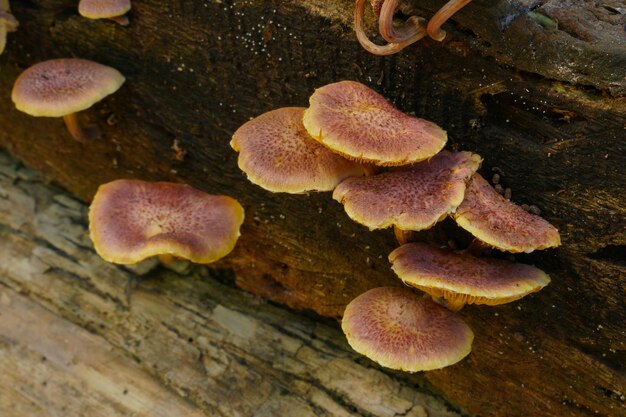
358	123
456	279
277	153
412	31
500	223
105	9
131	220
63	87
414	198
400	330
434	24
8	23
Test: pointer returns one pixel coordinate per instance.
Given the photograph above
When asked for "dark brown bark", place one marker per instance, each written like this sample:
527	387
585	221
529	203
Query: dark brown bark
542	105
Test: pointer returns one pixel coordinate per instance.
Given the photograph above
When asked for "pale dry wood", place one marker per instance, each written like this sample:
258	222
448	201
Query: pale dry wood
116	343
53	366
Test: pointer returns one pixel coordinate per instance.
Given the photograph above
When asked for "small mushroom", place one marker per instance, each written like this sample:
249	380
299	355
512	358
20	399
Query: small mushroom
358	123
277	153
434	24
105	9
131	220
456	279
414	198
412	31
63	87
8	23
500	223
400	330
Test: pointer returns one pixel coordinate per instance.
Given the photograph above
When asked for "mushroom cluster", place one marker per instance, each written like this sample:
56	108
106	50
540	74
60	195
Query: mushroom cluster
389	169
347	131
129	220
405	34
64	87
8	23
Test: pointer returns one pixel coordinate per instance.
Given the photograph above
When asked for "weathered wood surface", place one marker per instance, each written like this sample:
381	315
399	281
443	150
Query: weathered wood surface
80	337
197	70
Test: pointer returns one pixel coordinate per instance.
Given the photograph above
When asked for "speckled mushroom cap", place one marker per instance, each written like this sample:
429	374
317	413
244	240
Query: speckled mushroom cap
502	224
358	123
410	199
400	330
103	9
60	87
461	278
277	153
130	220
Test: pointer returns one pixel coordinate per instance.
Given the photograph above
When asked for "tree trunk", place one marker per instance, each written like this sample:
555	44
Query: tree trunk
540	98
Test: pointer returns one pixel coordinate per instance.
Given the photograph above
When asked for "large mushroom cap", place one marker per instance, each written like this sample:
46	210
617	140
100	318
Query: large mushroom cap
400	330
103	9
358	123
60	87
277	153
411	199
130	220
499	223
462	279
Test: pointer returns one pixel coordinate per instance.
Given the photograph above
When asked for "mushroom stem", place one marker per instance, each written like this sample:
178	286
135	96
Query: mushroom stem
477	248
77	130
412	27
120	20
403	236
452	303
434	24
380	50
370	169
166	258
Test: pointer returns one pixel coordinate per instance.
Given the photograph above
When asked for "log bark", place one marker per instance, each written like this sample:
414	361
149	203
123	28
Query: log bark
543	105
80	337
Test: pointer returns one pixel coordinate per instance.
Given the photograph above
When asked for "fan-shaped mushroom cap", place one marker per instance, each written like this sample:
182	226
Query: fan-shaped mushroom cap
400	330
358	123
460	278
60	87
130	220
502	224
277	153
103	9
414	198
